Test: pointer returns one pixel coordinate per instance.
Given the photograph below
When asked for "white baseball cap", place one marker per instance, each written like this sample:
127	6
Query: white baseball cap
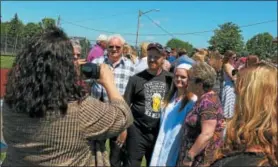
102	37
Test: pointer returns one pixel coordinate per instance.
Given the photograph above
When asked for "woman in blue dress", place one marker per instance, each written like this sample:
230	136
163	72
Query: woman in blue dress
176	106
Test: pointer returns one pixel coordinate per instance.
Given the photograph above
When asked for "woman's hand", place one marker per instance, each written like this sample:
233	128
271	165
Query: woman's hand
81	61
106	77
121	139
186	163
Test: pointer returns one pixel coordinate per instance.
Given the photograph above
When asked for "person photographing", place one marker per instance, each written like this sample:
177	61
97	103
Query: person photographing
47	119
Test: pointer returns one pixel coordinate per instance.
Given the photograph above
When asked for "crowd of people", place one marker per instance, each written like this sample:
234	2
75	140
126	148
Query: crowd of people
174	109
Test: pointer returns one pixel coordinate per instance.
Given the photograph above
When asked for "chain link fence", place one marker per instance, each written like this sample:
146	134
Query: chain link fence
12	45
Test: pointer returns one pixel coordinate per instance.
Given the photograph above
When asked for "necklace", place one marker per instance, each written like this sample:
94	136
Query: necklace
177	99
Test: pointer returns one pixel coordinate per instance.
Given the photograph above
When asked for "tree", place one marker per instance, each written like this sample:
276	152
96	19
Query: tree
47	22
30	30
227	37
177	43
4	28
4	35
261	45
15	31
85	45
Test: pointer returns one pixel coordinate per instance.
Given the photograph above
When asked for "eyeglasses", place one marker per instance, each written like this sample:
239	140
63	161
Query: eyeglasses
114	46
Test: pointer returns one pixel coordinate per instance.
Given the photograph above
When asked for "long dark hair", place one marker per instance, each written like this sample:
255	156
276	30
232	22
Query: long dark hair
171	93
227	55
43	78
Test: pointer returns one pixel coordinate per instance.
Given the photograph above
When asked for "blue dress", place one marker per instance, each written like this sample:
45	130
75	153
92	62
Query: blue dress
169	138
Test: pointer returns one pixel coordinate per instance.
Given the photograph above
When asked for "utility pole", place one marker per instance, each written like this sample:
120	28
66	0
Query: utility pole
58	21
140	13
15	43
6	40
138	25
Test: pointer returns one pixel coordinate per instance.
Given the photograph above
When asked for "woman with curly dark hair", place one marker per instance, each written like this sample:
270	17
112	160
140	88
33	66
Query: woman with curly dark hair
47	119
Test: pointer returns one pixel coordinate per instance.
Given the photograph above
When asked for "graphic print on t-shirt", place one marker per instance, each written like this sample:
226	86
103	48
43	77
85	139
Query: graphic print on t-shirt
154	94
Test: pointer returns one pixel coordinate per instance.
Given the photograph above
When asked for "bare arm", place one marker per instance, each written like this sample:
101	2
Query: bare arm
208	128
228	71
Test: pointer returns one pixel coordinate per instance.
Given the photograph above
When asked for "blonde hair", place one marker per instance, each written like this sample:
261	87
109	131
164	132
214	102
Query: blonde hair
144	47
127	48
255	118
216	60
130	51
199	57
204	52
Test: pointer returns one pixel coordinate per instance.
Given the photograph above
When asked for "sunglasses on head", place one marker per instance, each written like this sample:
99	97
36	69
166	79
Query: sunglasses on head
155	45
114	46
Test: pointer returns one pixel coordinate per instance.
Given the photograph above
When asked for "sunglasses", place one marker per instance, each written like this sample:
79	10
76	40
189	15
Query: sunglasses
154	57
115	46
155	45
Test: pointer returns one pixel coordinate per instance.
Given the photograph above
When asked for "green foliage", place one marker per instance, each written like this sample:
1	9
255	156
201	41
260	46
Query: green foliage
227	37
5	26
47	22
30	30
6	61
261	45
2	156
15	31
177	43
85	45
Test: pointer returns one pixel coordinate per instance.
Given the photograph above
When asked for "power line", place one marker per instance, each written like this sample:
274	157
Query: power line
163	29
116	14
242	26
128	41
109	32
178	34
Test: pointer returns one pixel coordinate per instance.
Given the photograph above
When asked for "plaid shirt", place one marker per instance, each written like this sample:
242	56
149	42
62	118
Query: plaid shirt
122	72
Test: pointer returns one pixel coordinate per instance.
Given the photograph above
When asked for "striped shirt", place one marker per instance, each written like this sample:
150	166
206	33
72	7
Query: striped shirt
122	72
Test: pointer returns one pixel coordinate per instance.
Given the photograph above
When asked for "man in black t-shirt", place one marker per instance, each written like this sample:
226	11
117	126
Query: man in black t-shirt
144	93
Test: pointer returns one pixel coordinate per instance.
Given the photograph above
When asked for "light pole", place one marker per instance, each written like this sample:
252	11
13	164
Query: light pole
140	13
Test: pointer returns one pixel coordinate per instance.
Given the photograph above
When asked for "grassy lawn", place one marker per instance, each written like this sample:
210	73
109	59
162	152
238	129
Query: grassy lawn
6	61
108	149
2	156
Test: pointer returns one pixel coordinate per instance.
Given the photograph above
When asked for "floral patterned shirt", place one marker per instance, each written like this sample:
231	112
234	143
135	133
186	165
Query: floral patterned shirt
208	107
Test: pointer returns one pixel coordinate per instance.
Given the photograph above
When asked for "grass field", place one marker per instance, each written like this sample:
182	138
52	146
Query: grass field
108	149
2	156
6	61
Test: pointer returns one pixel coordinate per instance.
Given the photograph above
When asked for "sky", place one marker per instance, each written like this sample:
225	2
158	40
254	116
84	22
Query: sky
83	18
